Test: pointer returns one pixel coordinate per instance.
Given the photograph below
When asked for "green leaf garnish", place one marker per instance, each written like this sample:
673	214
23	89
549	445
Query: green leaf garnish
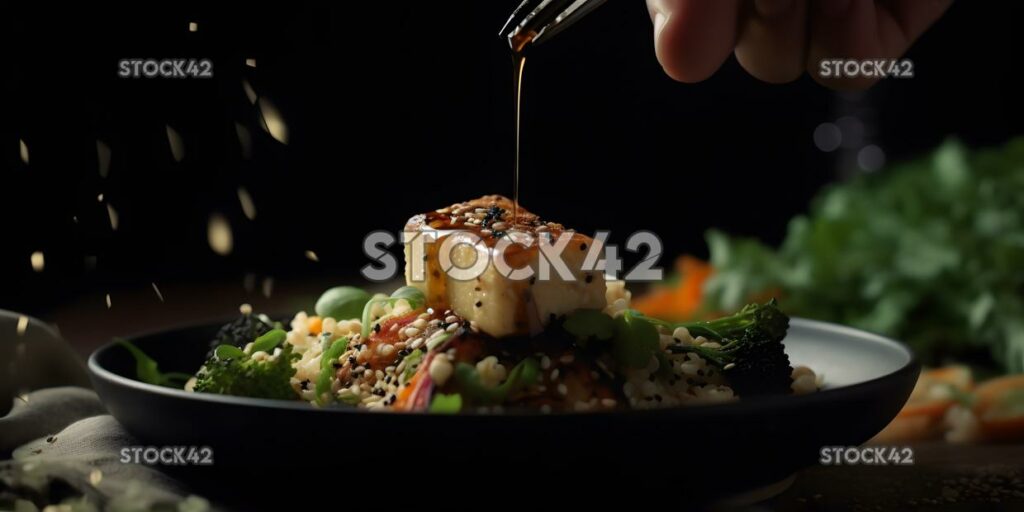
268	341
147	370
414	296
446	404
588	324
327	360
342	302
228	352
522	375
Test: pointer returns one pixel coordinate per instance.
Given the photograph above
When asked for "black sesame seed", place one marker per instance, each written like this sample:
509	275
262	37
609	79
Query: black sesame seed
589	278
336	365
583	246
304	384
376	328
479	304
657	397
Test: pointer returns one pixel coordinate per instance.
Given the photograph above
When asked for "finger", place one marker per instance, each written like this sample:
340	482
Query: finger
866	29
692	38
773	39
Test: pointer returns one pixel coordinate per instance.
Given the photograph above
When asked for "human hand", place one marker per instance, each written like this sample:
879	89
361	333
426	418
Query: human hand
777	40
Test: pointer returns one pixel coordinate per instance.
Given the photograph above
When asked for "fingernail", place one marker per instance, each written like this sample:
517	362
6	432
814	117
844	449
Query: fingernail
659	24
833	8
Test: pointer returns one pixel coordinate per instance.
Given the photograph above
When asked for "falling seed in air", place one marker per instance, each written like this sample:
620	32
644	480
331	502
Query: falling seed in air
74	218
100	197
250	62
272	121
218	233
95	477
103	157
249	282
157	290
108	301
38	261
112	214
24	151
311	256
22	325
193	26
249	92
268	286
177	146
244	140
248	206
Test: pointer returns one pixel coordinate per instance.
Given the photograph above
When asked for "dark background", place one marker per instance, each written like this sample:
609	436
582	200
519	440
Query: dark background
398	109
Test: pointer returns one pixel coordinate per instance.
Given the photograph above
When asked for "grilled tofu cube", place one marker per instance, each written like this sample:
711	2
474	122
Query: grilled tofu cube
499	303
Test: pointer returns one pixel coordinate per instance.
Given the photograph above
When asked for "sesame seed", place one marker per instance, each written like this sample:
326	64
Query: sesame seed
562	390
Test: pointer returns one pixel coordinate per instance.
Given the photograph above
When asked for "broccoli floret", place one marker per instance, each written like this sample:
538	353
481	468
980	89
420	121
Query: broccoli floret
242	376
752	357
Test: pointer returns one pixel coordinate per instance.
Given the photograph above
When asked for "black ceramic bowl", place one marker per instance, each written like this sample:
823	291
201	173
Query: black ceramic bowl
697	451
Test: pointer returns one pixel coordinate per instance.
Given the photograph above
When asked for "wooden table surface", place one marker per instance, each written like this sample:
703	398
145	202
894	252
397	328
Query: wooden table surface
944	477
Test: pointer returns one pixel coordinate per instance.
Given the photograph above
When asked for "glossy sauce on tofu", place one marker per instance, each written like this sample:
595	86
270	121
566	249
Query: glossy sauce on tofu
490	219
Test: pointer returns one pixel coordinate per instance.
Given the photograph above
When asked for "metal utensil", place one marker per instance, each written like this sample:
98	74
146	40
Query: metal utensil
536	21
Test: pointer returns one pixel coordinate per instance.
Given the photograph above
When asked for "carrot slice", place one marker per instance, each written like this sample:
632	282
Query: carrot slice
682	300
923	401
997	406
315	324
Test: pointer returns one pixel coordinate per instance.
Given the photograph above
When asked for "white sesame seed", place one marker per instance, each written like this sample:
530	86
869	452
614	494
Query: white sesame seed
562	390
554	374
566	359
729	366
609	402
452	328
452	319
545	362
416	343
411	332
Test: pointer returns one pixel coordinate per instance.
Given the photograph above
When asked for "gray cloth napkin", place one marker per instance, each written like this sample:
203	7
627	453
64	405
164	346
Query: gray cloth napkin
61	446
66	450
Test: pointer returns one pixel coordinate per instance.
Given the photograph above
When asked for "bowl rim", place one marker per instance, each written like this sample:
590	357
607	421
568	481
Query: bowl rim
738	407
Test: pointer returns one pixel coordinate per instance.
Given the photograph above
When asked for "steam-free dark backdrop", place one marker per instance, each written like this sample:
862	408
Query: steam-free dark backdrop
394	108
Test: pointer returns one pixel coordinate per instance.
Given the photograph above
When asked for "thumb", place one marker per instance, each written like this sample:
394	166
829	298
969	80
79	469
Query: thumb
692	38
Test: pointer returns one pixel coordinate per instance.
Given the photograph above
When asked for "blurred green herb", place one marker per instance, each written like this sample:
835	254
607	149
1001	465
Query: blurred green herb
929	251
